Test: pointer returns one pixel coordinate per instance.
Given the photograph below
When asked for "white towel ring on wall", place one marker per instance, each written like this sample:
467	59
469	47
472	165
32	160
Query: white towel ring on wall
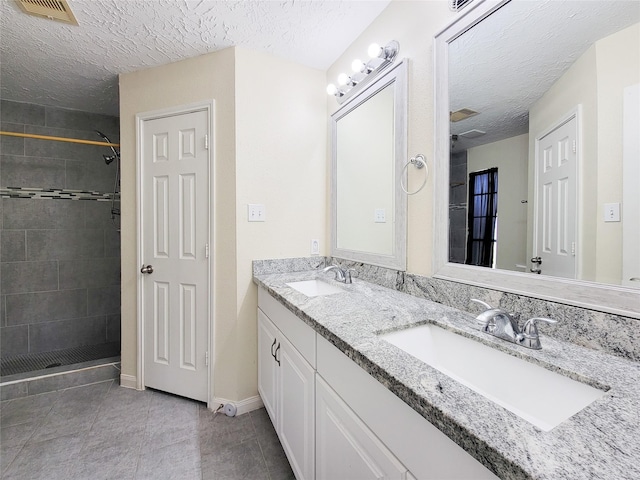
419	161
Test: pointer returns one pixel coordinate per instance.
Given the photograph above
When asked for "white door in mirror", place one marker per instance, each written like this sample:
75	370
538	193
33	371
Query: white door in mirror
556	198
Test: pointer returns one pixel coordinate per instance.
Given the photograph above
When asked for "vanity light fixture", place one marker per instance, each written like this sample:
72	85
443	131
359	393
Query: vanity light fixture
363	73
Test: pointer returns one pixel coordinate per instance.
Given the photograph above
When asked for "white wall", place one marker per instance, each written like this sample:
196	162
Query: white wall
281	140
413	24
270	148
511	156
618	67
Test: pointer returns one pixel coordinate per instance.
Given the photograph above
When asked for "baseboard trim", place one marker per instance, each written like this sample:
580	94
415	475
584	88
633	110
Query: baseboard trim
128	381
242	406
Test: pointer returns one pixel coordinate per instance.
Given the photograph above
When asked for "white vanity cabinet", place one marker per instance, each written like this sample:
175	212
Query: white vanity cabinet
345	447
335	421
286	381
267	366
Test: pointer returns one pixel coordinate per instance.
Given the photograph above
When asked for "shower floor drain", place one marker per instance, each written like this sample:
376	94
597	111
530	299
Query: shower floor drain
41	361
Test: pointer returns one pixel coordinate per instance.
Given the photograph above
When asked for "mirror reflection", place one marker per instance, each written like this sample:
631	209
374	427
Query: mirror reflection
544	154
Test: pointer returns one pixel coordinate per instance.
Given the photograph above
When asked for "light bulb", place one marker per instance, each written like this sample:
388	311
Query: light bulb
343	78
332	89
374	50
357	65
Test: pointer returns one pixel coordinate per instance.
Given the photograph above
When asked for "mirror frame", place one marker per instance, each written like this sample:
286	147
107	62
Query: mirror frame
394	74
602	297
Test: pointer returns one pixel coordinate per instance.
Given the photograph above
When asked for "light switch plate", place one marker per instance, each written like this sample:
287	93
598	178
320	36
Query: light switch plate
611	212
379	216
257	213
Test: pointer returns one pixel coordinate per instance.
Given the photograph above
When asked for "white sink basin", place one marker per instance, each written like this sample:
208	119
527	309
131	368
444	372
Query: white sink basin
314	288
532	392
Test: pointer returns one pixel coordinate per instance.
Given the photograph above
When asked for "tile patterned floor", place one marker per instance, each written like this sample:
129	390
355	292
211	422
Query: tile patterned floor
103	431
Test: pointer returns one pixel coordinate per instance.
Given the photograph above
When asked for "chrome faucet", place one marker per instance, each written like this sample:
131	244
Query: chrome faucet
341	275
500	323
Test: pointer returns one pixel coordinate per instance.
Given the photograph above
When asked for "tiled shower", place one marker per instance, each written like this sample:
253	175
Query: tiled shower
59	258
458	207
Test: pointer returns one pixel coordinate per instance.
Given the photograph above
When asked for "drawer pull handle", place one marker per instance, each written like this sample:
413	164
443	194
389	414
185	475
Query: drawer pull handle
276	355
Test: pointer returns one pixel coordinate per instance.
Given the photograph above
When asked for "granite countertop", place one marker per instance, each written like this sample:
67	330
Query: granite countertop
600	442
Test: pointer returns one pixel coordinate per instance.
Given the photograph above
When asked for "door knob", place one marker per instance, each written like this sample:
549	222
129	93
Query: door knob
146	269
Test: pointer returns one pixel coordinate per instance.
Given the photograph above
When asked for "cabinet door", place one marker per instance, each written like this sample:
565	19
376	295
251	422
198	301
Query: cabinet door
296	399
345	447
267	366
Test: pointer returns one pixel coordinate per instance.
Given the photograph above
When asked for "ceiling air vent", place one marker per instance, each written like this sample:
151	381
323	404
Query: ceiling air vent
457	5
51	9
475	133
462	114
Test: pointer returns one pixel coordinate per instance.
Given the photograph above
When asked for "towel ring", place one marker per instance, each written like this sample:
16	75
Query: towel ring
419	161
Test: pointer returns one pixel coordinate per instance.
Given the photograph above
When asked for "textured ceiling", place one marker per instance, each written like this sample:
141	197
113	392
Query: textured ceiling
52	63
507	62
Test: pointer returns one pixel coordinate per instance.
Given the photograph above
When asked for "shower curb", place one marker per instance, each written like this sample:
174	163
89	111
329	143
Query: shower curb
51	382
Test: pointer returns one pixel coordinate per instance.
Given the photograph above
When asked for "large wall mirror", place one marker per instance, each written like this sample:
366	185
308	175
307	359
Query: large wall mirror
368	150
538	114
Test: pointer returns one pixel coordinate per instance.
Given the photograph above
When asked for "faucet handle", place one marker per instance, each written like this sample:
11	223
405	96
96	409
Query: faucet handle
340	275
484	304
530	328
529	336
485	318
350	272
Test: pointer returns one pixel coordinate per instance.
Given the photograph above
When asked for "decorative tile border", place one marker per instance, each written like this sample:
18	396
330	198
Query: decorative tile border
55	193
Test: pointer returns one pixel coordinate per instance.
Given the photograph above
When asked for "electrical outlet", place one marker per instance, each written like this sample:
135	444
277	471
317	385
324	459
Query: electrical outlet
611	212
379	216
256	213
315	247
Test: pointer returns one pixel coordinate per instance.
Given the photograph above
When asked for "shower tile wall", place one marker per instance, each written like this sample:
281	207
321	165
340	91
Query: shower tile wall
458	207
59	259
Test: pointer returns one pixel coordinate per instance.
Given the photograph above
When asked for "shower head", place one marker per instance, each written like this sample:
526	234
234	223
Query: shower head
106	139
108	158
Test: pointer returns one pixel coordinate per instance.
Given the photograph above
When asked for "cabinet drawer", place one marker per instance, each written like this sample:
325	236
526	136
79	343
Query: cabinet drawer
301	335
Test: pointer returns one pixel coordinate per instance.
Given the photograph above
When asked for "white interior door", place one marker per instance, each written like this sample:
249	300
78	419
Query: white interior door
556	200
175	226
630	189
